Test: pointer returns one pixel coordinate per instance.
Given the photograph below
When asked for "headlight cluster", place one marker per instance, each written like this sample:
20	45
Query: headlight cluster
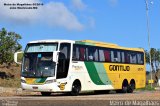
50	81
23	81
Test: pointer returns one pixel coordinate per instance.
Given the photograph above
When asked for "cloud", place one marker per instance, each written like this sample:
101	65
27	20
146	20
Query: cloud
113	2
18	15
59	15
55	14
92	22
78	4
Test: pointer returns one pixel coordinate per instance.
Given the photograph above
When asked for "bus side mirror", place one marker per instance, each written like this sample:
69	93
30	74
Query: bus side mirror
16	57
55	56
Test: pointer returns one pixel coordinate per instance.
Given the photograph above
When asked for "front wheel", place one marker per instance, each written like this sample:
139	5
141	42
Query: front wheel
76	87
46	93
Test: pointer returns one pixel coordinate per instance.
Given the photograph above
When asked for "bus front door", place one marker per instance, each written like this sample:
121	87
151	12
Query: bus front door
64	60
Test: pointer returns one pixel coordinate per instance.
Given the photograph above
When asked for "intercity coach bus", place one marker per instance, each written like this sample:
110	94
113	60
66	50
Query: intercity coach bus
50	66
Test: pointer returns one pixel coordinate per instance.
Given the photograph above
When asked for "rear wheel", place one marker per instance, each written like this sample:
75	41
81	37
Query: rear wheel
131	88
76	88
46	93
124	86
124	89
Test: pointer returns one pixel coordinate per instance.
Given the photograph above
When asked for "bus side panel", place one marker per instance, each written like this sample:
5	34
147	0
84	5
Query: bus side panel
118	72
105	76
92	75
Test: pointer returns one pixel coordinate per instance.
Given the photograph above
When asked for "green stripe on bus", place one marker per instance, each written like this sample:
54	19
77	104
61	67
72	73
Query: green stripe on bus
41	80
84	43
93	73
102	73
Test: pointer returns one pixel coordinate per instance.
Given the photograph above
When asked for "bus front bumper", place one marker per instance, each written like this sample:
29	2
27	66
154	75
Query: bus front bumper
52	87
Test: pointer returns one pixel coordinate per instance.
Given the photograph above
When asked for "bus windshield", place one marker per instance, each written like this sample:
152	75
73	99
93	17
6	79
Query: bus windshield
38	60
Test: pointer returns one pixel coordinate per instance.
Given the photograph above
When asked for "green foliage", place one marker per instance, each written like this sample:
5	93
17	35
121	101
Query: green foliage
155	58
20	57
147	56
147	88
9	44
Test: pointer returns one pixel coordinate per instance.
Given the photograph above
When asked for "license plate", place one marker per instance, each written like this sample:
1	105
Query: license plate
35	87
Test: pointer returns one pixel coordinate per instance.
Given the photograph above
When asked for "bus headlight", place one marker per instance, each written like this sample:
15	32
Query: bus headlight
50	81
23	81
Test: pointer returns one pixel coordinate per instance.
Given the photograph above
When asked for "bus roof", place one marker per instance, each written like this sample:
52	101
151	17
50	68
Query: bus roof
109	45
51	41
88	42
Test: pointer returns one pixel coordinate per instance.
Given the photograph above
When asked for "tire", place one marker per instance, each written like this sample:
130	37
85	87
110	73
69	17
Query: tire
124	89
76	88
45	93
131	88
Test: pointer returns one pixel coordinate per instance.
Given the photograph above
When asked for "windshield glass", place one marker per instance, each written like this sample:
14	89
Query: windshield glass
41	47
38	60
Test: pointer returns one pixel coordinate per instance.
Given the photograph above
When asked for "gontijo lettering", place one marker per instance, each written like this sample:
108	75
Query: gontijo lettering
119	68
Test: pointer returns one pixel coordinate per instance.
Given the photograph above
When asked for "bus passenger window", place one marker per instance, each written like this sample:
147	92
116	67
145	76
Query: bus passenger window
86	58
90	54
127	57
101	56
96	55
115	56
133	58
140	58
107	55
75	53
118	56
122	57
82	54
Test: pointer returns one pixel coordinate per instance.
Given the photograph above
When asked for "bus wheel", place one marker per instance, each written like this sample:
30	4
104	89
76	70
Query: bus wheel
131	88
76	87
46	93
124	86
124	89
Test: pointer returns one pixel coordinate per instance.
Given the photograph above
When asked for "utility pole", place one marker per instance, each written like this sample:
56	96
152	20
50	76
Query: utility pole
149	46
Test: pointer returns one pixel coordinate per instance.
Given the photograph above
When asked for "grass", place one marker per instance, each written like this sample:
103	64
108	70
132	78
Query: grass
147	88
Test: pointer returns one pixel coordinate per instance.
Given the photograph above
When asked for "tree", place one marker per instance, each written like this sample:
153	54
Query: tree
9	44
153	52
155	58
147	57
155	61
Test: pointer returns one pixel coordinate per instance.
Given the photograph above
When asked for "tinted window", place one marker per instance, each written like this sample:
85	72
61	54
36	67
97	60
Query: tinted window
99	54
133	58
140	57
107	55
82	53
75	53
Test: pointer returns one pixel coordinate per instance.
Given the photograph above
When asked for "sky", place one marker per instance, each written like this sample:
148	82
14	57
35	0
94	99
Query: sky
122	22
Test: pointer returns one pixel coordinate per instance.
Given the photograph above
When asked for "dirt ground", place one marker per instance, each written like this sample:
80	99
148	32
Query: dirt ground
137	98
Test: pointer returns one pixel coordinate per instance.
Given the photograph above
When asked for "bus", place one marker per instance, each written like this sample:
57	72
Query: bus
50	66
